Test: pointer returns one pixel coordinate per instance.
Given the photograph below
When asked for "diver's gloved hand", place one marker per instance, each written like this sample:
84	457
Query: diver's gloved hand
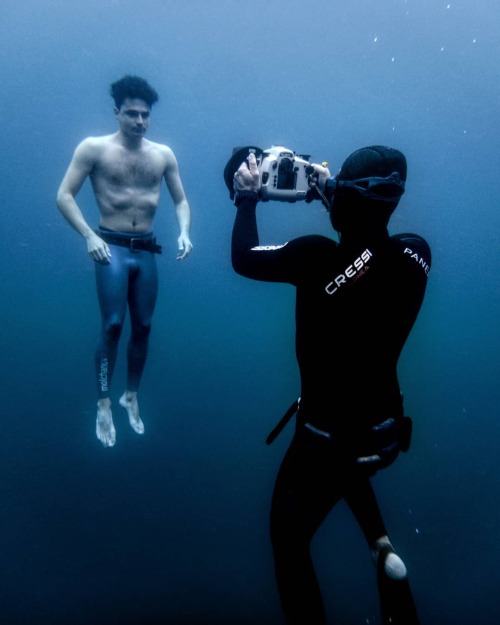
317	180
246	181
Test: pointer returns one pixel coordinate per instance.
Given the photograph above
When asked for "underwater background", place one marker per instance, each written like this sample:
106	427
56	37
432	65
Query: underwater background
172	527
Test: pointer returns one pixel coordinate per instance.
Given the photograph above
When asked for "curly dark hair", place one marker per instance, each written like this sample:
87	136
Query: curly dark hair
133	87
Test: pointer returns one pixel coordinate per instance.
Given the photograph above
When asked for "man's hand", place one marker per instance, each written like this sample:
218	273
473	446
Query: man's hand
98	249
185	247
317	181
247	176
320	175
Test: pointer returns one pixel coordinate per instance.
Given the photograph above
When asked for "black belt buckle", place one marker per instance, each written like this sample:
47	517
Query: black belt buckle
144	245
134	244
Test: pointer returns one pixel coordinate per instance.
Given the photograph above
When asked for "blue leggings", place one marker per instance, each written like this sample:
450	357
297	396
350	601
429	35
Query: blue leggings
131	279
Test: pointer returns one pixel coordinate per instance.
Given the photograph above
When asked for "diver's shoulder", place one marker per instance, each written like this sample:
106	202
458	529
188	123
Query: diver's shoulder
316	239
161	148
94	144
91	149
314	246
98	140
411	242
313	243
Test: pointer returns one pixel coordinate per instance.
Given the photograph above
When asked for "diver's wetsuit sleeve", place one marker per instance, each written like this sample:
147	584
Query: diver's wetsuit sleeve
245	233
417	250
272	263
416	265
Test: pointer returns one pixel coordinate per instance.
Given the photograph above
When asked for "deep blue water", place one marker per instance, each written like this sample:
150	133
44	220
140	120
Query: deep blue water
171	527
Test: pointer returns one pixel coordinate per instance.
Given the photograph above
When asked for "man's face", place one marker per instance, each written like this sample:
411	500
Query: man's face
133	117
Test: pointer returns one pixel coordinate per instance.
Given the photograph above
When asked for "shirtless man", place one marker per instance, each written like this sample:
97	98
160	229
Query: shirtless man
126	172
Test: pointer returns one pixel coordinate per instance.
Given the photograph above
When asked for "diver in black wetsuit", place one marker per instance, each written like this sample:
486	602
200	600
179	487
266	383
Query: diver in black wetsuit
356	302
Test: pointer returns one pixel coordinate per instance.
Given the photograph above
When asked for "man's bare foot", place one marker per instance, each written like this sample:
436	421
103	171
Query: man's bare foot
129	401
104	427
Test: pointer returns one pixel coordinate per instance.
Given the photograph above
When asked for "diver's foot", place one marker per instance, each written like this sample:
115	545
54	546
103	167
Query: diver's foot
104	426
394	567
397	606
129	401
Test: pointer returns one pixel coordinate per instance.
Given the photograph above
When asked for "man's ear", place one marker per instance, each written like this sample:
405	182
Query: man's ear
116	111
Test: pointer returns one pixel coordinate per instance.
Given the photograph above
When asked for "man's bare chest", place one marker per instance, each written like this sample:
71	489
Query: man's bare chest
128	169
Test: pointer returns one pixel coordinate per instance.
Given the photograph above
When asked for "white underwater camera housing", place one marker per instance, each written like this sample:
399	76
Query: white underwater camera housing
284	175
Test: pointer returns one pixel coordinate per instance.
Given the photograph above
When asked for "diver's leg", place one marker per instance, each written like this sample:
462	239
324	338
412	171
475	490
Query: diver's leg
304	494
396	600
397	606
143	290
112	285
358	493
361	500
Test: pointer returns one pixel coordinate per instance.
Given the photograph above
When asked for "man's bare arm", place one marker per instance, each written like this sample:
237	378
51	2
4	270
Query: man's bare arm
182	210
79	169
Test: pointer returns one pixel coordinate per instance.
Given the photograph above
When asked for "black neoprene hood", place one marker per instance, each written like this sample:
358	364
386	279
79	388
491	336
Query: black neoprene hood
375	160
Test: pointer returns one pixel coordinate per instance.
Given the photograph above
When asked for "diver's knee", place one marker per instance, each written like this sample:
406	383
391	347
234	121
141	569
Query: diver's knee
112	330
141	331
